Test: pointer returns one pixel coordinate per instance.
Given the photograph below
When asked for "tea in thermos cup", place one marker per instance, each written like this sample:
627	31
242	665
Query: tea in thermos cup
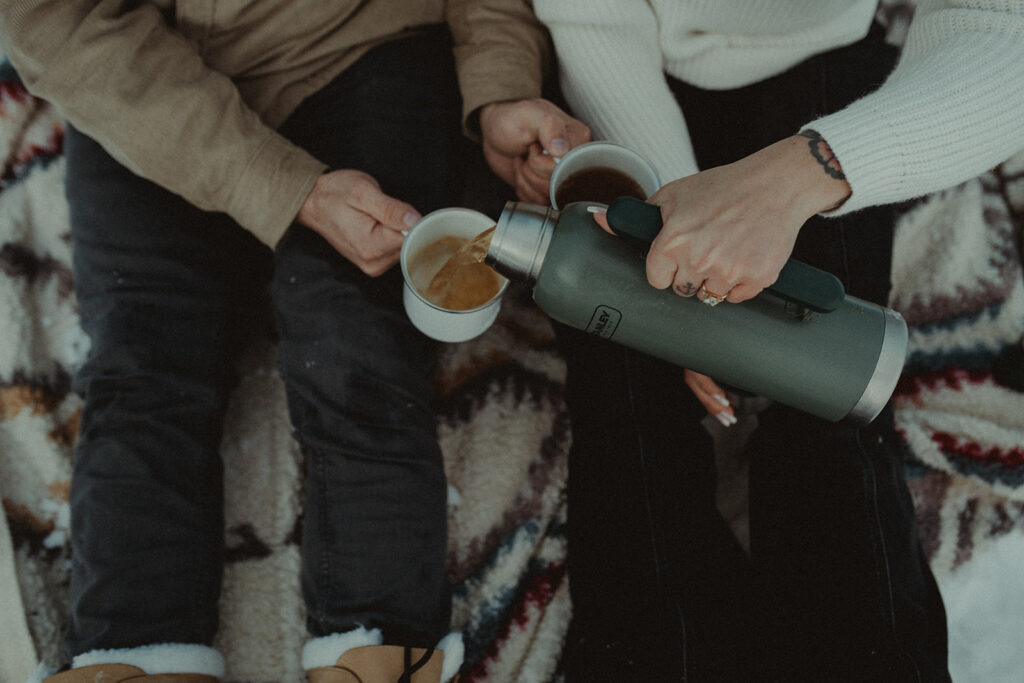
802	342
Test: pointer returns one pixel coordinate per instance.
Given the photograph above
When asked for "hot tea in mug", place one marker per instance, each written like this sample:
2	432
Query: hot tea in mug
449	294
450	272
597	184
600	172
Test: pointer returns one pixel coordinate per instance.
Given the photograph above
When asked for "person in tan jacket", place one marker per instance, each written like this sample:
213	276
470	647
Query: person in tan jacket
218	154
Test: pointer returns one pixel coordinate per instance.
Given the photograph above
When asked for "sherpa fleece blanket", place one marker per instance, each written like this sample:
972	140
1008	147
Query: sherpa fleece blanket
504	431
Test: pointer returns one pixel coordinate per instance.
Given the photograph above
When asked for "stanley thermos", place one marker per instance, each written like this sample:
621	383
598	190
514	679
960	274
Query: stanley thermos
802	342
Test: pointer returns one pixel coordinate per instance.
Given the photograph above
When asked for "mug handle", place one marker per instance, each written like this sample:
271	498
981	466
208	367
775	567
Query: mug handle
798	282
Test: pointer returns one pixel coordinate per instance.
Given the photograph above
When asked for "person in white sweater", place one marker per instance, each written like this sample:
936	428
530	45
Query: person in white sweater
783	129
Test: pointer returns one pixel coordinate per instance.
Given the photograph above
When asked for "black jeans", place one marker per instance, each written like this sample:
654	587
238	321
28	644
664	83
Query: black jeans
167	294
836	587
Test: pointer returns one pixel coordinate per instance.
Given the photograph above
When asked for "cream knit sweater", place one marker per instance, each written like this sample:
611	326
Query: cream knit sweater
952	108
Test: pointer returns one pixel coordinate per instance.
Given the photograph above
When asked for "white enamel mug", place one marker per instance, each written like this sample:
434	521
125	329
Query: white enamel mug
432	320
607	154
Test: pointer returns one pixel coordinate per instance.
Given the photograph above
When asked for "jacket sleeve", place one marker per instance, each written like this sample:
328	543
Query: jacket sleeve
120	74
951	109
502	53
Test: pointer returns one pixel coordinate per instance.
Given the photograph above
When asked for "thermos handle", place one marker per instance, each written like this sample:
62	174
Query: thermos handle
797	282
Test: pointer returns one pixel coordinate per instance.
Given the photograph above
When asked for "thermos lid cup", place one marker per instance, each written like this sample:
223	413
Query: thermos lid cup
520	241
606	154
439	323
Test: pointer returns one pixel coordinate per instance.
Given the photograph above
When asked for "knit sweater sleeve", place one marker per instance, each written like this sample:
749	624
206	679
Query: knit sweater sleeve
117	72
612	77
952	108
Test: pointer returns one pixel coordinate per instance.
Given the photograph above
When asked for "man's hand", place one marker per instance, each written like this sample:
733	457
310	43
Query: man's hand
515	137
731	228
365	225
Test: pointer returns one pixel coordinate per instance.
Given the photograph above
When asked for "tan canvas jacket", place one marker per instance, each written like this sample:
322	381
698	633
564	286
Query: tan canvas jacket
188	93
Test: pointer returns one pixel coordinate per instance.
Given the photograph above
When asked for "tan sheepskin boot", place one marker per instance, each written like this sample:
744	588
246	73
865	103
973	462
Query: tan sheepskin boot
382	664
122	673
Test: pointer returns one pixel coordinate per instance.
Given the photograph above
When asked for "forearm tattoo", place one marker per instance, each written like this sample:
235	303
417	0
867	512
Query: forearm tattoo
822	153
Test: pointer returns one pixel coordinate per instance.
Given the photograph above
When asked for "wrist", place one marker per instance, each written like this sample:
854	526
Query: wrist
483	115
823	171
309	212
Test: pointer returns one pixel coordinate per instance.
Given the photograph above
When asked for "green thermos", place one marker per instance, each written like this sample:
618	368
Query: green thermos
803	342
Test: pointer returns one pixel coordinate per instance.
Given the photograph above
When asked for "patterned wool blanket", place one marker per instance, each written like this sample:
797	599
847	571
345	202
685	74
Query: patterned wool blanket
504	431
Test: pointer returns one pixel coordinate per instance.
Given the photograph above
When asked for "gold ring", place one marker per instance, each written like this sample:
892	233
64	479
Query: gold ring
710	298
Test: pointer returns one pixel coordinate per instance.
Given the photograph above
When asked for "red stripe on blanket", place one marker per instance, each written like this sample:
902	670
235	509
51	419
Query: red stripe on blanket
952	445
538	594
53	146
13	90
949	377
17	103
30	152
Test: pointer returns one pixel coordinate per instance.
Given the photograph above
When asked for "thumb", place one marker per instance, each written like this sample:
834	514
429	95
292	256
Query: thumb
553	135
388	211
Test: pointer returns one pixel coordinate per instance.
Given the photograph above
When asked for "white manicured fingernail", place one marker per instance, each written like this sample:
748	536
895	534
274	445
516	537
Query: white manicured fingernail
597	209
410	218
721	399
726	418
559	146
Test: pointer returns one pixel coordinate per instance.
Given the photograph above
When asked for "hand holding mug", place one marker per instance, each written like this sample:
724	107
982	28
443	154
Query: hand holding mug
363	224
515	137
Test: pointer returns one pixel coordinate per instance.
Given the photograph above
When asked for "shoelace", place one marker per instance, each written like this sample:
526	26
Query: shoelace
410	667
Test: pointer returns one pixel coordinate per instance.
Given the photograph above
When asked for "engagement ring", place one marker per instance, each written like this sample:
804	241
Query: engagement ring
710	298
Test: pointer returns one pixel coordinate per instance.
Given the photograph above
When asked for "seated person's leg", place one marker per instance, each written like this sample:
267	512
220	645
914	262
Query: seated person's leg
845	588
655	572
158	284
358	374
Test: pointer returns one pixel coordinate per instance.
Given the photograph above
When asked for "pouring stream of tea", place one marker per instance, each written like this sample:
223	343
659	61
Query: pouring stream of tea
461	265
